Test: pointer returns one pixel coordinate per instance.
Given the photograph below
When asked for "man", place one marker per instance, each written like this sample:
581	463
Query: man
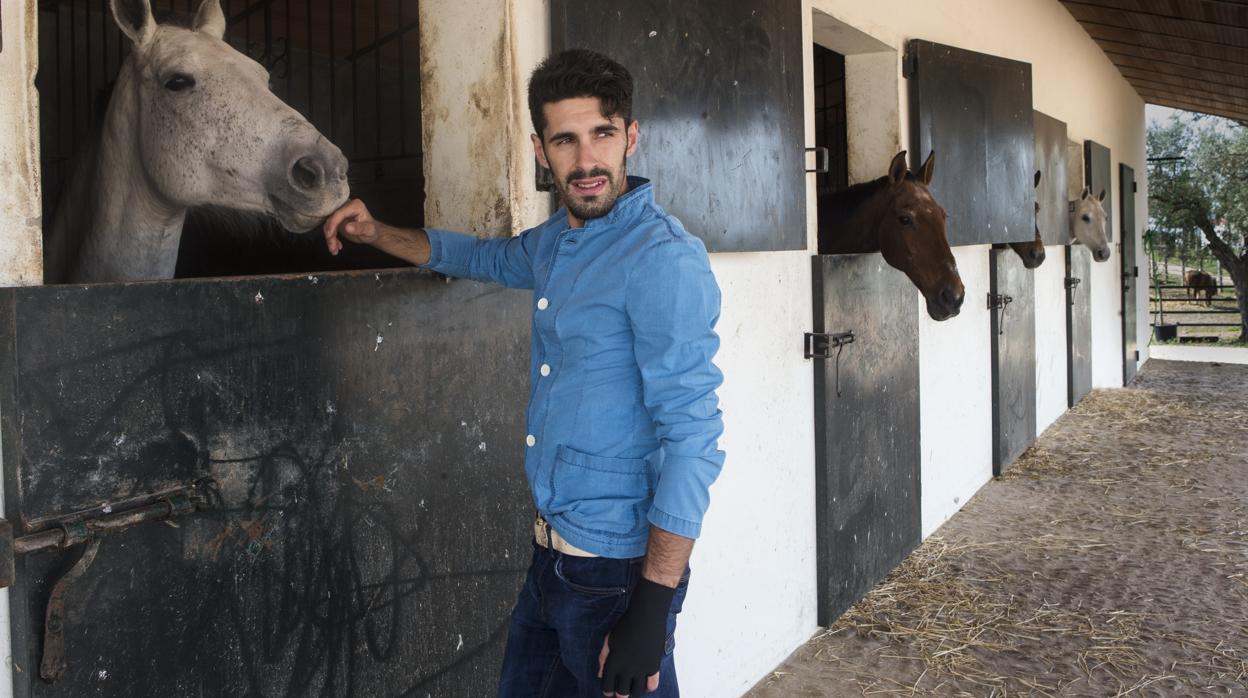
623	420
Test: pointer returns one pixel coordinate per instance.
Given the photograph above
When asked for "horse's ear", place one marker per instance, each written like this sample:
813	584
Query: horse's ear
1037	179
929	166
135	19
1085	193
210	19
897	168
1102	196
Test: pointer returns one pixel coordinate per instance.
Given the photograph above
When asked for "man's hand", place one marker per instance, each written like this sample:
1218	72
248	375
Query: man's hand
353	222
629	662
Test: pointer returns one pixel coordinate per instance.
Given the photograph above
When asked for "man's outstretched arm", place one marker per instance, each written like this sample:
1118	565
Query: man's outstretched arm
506	261
353	222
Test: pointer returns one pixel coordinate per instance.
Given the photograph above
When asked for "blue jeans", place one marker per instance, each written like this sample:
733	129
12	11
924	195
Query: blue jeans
566	608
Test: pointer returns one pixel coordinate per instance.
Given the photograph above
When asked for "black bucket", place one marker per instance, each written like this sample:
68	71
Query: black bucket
1165	333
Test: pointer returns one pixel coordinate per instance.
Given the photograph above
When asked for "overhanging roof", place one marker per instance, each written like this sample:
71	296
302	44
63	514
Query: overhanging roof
1186	54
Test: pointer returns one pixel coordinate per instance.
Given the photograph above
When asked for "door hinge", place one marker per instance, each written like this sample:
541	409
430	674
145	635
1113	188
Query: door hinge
823	159
1137	354
1135	187
909	64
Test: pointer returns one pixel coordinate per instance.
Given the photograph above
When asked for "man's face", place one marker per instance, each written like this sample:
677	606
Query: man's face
586	152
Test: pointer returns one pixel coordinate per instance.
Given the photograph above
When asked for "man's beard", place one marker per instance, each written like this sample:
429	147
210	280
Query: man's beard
599	205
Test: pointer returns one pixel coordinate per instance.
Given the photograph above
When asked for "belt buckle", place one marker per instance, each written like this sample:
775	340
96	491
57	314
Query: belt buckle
542	533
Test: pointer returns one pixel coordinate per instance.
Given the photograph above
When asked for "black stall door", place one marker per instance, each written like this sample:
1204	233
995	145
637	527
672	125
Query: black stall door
354	444
1130	274
719	101
1012	303
1078	324
974	111
867	455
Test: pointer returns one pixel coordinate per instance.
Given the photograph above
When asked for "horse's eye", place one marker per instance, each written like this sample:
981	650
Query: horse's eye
179	82
1087	218
905	220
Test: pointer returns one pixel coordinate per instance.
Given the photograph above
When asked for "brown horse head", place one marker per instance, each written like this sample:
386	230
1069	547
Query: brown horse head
1031	252
911	229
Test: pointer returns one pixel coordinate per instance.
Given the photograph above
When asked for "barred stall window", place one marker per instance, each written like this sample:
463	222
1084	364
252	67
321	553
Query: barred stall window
351	68
830	120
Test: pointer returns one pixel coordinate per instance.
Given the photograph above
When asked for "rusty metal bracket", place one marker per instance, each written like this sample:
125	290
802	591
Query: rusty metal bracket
86	531
54	660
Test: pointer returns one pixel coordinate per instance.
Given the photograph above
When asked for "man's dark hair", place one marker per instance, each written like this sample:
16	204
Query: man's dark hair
579	72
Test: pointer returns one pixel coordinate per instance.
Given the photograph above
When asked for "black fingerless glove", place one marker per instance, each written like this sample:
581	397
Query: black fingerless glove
637	641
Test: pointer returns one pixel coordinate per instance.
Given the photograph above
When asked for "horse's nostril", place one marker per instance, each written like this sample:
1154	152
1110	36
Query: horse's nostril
952	298
307	173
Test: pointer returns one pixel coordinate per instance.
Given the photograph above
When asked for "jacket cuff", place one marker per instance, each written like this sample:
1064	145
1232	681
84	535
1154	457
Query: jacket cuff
435	249
673	524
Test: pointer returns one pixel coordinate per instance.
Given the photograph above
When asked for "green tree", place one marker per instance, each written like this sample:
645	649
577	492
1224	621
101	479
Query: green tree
1205	190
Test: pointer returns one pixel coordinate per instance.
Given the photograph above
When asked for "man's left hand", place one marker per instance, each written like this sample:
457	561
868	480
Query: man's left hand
629	662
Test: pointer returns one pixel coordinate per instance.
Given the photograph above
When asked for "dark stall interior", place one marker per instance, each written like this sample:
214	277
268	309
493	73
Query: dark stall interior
352	68
831	130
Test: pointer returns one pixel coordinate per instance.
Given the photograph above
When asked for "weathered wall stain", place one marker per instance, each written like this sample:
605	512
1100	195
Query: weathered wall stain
478	159
20	196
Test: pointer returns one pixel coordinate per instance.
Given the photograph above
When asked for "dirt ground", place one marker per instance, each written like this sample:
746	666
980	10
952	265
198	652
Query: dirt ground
1111	559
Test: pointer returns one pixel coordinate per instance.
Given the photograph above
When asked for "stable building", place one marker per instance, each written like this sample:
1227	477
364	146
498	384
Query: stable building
334	451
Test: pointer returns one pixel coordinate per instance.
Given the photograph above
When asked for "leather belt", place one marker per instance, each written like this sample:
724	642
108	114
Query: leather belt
546	536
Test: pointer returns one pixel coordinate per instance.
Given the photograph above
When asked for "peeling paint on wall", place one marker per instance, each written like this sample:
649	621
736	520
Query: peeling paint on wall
466	77
475	60
20	197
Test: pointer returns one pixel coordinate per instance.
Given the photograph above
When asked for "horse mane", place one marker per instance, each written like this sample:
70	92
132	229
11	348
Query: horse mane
837	208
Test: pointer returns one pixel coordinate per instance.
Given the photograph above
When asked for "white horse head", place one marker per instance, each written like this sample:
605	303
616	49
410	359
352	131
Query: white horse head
191	122
1087	224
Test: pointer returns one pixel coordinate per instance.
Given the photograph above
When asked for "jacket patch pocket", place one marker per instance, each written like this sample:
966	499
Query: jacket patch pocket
600	495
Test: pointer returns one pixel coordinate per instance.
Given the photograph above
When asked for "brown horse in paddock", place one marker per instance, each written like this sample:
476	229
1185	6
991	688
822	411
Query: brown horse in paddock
1198	282
897	216
1032	252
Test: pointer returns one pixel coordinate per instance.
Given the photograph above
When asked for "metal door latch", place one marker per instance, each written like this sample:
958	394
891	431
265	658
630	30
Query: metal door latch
86	530
998	300
819	345
1072	282
1002	301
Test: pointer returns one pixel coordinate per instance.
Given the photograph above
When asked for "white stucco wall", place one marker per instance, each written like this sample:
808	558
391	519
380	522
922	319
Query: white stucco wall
752	593
21	224
955	395
1050	338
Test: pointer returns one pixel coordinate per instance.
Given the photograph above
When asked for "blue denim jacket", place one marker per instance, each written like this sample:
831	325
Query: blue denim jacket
623	420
